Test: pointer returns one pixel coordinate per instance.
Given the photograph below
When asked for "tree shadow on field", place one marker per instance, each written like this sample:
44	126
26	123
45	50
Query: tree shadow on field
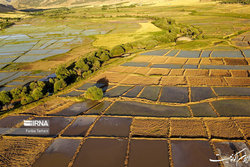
103	83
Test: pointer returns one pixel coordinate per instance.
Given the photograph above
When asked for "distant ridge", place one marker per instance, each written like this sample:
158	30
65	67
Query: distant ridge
6	8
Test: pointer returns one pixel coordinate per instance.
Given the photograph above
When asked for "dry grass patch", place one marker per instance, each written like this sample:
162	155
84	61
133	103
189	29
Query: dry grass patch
142	70
219	73
159	59
173	80
130	69
20	151
176	72
193	61
240	81
112	77
149	127
159	71
117	69
212	61
142	58
196	72
222	128
206	81
239	73
244	124
175	60
191	127
141	80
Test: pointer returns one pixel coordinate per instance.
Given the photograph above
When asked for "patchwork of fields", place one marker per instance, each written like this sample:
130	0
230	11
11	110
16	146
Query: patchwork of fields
147	115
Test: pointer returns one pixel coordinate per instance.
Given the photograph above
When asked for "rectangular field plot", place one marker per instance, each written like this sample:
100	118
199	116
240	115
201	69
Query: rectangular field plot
136	64
160	52
189	54
244	124
189	66
232	91
187	128
235	61
201	93
21	151
148	153
7	60
76	109
96	152
99	108
172	66
118	91
196	153
150	127
141	80
174	95
206	53
134	92
227	149
226	54
247	53
11	121
59	153
172	53
226	67
233	107
112	126
202	110
142	109
4	75
79	127
150	93
12	77
224	128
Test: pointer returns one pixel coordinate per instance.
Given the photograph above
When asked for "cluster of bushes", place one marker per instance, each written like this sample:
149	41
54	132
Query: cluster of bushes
171	29
245	2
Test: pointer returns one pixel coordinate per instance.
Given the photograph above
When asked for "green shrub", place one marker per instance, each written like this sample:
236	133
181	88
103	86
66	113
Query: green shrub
59	85
96	65
26	99
62	72
82	64
117	51
16	93
37	93
86	74
94	93
128	47
5	97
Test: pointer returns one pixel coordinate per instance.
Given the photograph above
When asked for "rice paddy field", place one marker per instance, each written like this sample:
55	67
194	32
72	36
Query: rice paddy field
178	105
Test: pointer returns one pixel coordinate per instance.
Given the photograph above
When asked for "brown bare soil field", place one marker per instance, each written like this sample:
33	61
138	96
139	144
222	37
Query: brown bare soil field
176	72
142	70
142	58
141	80
159	60
219	73
174	80
113	77
55	103
193	61
244	124
20	151
222	128
235	61
240	81
239	73
187	128
196	72
174	60
159	71
212	61
149	127
206	81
